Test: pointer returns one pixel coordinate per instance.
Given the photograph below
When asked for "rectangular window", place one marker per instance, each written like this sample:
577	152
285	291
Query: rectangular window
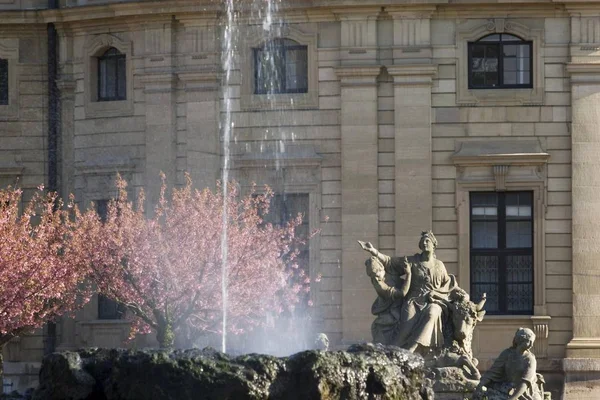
3	82
107	308
502	250
283	208
112	80
500	61
281	66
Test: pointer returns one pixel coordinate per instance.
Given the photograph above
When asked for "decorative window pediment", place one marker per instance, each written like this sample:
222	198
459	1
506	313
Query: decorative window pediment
487	166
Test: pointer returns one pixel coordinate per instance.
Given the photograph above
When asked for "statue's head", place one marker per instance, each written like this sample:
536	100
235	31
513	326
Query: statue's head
524	338
427	235
322	342
375	269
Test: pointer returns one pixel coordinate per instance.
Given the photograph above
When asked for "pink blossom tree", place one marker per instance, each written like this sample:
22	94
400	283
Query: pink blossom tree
167	270
42	262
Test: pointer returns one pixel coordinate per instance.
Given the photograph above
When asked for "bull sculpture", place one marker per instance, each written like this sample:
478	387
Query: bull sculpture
458	335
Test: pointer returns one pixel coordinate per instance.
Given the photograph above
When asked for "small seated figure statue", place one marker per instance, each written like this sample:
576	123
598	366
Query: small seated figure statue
513	375
387	314
321	342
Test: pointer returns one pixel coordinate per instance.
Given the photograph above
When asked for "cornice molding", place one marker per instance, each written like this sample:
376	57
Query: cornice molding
358	71
412	70
583	68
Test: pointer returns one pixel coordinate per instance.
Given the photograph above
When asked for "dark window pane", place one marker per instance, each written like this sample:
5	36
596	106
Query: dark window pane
296	69
283	208
121	78
510	64
509	50
518	204
491	79
504	271
519	269
109	309
484	234
519	298
478	79
484	199
3	82
477	51
486	56
490	38
518	234
102	209
485	279
281	66
112	81
492	304
510	78
484	269
510	38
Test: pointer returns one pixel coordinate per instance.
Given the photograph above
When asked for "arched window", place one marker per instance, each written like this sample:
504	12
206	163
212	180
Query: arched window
500	61
112	82
281	66
3	82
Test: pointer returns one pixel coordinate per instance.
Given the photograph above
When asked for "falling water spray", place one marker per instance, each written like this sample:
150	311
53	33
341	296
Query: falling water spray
227	61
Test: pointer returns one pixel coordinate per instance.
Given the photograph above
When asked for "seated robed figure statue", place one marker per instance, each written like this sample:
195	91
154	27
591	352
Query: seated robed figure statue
413	294
513	375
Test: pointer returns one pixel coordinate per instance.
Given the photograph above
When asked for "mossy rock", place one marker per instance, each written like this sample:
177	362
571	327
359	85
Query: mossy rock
362	372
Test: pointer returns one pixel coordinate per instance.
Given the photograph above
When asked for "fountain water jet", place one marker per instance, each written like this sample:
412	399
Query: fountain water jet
227	61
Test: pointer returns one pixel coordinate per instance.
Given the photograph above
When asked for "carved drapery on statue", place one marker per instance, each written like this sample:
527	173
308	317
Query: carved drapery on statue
421	308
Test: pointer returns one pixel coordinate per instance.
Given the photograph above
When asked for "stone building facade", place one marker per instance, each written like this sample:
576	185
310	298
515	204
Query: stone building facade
403	116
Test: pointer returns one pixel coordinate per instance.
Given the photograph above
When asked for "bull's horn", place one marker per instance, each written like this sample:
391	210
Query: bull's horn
481	302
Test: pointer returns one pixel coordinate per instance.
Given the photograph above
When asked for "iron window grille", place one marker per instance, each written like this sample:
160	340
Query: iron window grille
3	82
500	61
501	251
112	81
281	66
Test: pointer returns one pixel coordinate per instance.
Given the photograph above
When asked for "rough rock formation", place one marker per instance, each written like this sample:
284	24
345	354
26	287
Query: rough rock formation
364	371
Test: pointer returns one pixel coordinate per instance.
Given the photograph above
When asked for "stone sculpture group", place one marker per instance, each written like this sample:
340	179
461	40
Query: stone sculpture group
421	308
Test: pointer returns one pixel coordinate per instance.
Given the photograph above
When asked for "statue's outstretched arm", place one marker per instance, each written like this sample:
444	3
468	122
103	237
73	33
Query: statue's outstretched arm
368	246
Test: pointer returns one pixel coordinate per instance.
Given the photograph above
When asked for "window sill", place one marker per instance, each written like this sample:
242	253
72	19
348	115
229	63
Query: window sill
280	101
501	96
116	108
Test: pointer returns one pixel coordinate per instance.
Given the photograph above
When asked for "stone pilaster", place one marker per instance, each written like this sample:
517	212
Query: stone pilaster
582	365
66	144
413	180
161	139
202	136
358	35
200	140
412	33
359	193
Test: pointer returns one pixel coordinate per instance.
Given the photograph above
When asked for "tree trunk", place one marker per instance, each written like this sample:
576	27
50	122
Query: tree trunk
165	335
